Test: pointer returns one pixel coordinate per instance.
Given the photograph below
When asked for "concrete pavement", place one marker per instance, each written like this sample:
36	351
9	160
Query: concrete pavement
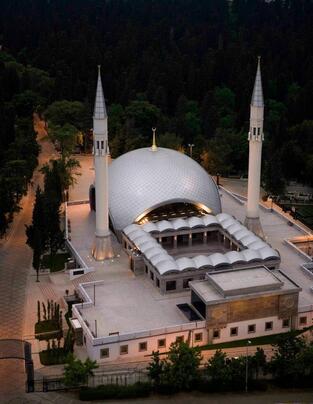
15	267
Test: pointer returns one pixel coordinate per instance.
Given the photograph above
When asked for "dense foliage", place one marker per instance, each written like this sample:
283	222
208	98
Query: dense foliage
20	94
186	67
290	366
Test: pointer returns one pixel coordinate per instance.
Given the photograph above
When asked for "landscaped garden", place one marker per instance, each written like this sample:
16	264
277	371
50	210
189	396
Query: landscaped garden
49	327
55	262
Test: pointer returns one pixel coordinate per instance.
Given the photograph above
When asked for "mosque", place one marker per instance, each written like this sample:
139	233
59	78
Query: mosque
183	268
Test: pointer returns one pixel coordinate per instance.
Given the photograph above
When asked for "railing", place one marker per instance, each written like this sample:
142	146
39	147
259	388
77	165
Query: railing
56	383
83	267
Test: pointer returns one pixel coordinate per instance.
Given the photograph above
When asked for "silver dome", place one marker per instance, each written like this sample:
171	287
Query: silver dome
142	180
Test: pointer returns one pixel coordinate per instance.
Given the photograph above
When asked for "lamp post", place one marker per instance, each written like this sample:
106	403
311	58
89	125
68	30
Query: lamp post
191	145
247	361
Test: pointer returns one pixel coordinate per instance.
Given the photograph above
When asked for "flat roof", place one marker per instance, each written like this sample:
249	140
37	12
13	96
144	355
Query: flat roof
238	282
231	286
130	305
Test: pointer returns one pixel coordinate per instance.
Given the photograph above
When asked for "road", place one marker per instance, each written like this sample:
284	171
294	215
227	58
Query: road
15	263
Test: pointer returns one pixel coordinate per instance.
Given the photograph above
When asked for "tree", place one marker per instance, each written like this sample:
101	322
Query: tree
156	368
218	370
258	361
181	367
76	372
65	136
285	362
37	235
64	112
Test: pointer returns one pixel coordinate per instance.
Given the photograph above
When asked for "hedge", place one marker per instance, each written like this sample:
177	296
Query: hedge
111	391
54	356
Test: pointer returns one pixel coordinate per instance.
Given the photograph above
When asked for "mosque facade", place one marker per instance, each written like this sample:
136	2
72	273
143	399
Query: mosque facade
194	273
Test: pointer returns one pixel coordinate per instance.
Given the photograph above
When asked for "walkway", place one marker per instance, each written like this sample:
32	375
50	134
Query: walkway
15	264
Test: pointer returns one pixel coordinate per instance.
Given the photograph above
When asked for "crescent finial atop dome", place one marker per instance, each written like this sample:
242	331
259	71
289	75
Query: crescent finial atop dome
154	146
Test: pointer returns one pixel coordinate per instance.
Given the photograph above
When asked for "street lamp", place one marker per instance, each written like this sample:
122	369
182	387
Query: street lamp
191	145
246	387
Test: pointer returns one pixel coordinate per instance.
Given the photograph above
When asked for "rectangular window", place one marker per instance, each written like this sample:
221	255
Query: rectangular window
180	339
254	132
268	325
98	145
234	331
162	343
286	323
259	132
216	334
146	269
170	285
251	328
151	275
104	353
186	283
158	282
142	346
198	336
123	349
303	320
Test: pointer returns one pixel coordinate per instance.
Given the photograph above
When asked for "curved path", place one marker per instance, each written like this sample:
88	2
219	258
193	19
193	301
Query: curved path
15	263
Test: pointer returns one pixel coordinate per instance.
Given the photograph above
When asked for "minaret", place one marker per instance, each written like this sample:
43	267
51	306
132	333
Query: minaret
103	244
255	138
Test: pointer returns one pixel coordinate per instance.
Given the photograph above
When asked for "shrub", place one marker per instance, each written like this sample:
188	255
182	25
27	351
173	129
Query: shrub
53	356
111	391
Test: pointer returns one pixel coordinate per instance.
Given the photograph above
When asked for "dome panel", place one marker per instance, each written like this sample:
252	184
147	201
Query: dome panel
142	180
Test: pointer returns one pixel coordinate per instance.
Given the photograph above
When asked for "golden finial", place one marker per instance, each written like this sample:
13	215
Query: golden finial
154	146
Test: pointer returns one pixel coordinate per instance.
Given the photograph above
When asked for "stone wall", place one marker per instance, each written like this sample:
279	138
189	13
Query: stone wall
283	306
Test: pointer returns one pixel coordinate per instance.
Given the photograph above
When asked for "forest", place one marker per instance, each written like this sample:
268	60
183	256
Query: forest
186	67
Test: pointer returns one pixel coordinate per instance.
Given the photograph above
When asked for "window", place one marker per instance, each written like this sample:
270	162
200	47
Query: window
180	339
186	283
123	349
254	132
162	343
303	320
142	346
198	336
234	331
146	268
268	325
151	275
259	132
102	144
158	282
104	353
216	333
251	328
98	145
170	285
286	322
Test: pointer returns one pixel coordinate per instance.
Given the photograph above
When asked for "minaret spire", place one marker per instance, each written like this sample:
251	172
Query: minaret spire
255	138
103	245
257	95
100	111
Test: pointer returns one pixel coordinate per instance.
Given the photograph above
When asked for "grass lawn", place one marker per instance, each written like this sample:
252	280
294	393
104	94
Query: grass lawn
55	262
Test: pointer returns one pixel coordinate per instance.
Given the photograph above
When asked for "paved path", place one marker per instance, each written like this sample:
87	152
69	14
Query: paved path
15	264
